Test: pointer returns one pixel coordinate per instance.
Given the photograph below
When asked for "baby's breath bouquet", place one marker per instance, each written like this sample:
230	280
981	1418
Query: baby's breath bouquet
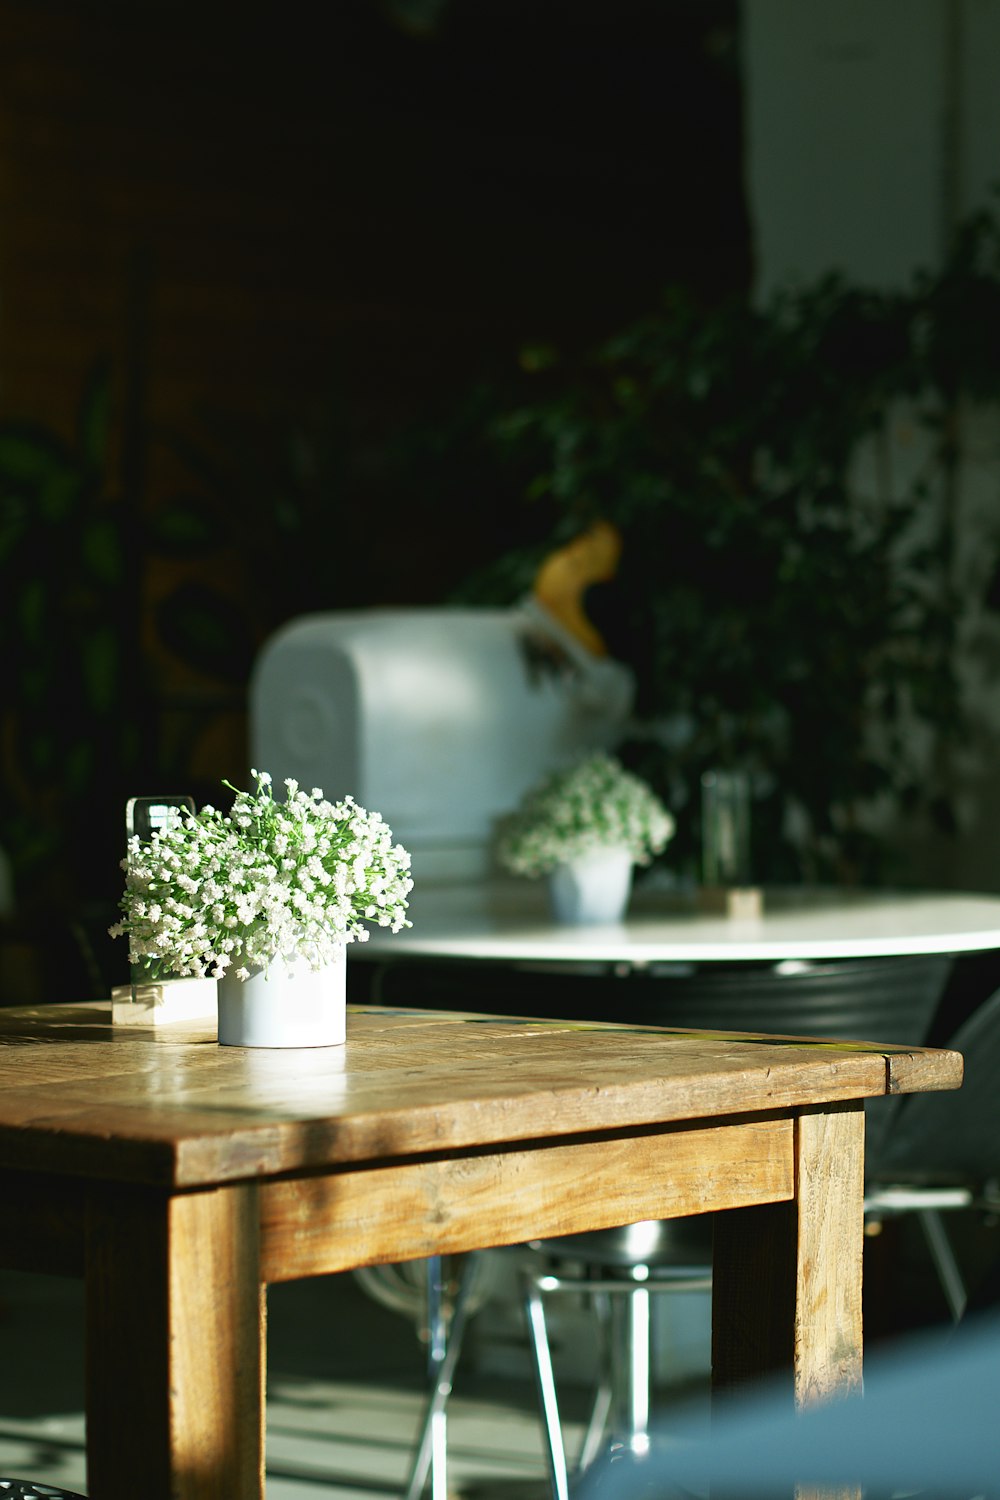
226	893
595	804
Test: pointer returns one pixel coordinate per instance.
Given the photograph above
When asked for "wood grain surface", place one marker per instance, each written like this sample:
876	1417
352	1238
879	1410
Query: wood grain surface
313	1225
171	1106
175	1344
786	1285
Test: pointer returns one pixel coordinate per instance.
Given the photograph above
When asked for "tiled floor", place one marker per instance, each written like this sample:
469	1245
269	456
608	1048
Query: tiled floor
344	1398
346	1381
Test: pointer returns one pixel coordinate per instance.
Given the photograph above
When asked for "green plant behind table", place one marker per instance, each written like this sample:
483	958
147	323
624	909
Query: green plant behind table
789	601
78	724
68	641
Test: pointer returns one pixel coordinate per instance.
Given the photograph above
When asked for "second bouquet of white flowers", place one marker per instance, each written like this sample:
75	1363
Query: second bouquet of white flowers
592	806
224	895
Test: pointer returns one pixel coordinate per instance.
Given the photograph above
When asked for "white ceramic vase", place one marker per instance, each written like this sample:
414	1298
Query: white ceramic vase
594	888
289	1005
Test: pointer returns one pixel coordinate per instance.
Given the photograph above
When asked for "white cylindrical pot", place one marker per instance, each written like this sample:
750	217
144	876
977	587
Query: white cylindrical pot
289	1005
593	888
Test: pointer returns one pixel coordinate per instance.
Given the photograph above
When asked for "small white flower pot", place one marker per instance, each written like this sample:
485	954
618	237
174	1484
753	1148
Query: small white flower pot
594	888
289	1005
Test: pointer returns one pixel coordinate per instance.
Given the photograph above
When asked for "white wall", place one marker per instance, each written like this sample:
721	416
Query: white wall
844	107
872	128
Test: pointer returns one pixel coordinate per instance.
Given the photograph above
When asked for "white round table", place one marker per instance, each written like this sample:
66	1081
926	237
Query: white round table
891	966
508	921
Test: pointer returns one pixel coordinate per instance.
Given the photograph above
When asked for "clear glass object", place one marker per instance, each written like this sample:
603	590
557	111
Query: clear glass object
145	816
725	828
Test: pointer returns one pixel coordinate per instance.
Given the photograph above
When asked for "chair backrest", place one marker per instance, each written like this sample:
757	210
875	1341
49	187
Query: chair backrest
870	999
954	1136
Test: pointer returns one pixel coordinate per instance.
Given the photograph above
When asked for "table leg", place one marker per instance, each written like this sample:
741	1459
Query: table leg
175	1345
787	1276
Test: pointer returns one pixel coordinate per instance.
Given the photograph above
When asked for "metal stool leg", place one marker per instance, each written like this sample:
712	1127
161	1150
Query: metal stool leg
555	1453
624	1391
604	1395
631	1377
944	1260
444	1346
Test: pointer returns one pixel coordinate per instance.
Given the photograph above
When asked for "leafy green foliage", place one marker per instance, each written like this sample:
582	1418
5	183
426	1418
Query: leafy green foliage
77	721
788	599
66	636
205	628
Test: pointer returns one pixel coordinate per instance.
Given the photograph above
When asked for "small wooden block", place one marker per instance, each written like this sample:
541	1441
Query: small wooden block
169	1000
744	901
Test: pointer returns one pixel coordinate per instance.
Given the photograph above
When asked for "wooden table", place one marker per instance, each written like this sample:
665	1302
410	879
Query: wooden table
180	1178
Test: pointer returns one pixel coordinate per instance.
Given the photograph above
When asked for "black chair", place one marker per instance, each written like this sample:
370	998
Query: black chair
942	1153
887	999
884	999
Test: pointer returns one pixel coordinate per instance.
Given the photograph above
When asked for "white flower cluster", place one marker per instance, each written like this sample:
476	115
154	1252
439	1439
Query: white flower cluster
596	804
268	879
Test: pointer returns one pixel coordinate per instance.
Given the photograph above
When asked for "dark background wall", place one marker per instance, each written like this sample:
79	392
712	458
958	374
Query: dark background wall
277	254
264	203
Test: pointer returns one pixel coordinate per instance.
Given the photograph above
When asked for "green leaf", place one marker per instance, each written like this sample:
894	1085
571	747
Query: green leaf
31	611
41	751
78	766
101	550
206	631
188	526
58	496
31	456
94	421
13	523
34	684
100	661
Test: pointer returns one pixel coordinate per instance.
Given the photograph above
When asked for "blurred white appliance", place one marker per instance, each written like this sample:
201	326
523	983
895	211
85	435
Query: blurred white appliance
439	719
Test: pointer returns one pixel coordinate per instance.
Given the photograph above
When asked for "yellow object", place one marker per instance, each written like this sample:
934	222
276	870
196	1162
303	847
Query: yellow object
567	574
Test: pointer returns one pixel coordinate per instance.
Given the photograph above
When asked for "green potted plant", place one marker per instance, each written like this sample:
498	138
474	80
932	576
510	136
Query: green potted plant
794	595
264	899
585	827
